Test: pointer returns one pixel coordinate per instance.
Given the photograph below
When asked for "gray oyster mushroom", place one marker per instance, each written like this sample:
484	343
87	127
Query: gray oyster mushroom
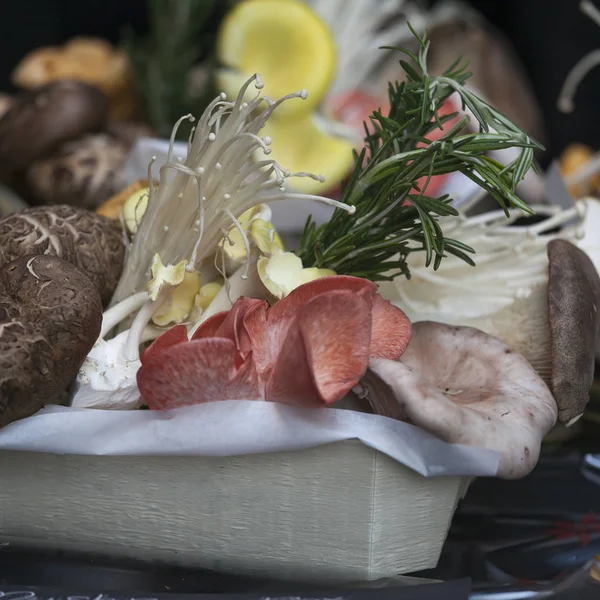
89	241
467	387
50	318
40	121
573	301
84	172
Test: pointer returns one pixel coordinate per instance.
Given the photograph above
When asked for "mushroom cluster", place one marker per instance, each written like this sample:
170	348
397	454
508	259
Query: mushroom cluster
58	266
58	143
535	289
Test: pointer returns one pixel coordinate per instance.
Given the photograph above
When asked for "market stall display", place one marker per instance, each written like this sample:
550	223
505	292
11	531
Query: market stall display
155	325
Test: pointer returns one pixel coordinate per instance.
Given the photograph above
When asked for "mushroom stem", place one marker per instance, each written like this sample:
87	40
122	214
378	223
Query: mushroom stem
134	339
220	177
114	315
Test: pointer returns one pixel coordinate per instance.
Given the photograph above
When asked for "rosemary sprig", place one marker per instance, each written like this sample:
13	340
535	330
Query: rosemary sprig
375	241
180	35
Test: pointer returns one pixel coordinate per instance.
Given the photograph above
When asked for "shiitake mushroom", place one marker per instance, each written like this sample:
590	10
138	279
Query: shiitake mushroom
84	172
39	121
89	241
50	318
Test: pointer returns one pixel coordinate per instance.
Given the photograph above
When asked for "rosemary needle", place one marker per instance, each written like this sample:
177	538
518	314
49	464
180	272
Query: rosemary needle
375	241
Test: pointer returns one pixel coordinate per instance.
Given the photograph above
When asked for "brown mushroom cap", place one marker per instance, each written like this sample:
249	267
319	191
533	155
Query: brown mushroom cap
50	318
573	300
41	120
91	242
84	172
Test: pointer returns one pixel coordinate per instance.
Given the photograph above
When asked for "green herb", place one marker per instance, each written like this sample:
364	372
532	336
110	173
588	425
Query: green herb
180	35
375	241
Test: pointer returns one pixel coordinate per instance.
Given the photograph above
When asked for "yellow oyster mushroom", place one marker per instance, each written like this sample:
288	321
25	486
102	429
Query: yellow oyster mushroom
134	209
265	237
283	273
165	276
179	302
283	40
207	294
303	147
234	250
233	247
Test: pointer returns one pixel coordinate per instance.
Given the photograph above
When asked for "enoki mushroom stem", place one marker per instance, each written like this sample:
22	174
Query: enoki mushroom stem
118	313
184	218
134	339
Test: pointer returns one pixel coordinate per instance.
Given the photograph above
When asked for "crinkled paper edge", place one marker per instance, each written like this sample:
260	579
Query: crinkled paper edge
233	428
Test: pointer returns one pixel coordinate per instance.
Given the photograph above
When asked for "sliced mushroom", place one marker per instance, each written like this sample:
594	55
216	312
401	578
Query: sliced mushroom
41	120
85	172
573	301
467	387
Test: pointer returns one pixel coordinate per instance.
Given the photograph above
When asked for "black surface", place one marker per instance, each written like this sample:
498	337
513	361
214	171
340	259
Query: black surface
453	590
57	575
21	567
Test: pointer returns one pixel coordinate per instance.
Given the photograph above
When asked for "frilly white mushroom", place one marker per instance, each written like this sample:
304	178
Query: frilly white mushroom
107	369
507	294
467	387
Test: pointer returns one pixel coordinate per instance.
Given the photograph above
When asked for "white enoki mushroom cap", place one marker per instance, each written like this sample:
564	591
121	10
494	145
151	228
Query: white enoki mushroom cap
467	387
218	181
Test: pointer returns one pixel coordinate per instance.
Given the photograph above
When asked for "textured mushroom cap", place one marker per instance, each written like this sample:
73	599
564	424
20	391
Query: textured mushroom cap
83	172
41	120
87	240
467	387
573	300
50	317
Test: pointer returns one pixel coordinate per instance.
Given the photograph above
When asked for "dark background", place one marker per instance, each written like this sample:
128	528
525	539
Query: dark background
550	36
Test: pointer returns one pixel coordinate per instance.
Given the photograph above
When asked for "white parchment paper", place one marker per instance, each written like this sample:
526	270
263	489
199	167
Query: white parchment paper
232	428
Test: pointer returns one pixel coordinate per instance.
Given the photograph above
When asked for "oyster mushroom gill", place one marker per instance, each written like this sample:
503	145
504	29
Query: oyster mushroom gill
467	387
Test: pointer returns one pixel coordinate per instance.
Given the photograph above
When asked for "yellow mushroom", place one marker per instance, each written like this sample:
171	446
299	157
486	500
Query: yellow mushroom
283	273
179	302
164	276
574	158
134	209
113	206
206	294
265	237
233	248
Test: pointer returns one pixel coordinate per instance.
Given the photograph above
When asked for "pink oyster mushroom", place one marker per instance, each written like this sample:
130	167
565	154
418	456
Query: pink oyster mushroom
309	349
